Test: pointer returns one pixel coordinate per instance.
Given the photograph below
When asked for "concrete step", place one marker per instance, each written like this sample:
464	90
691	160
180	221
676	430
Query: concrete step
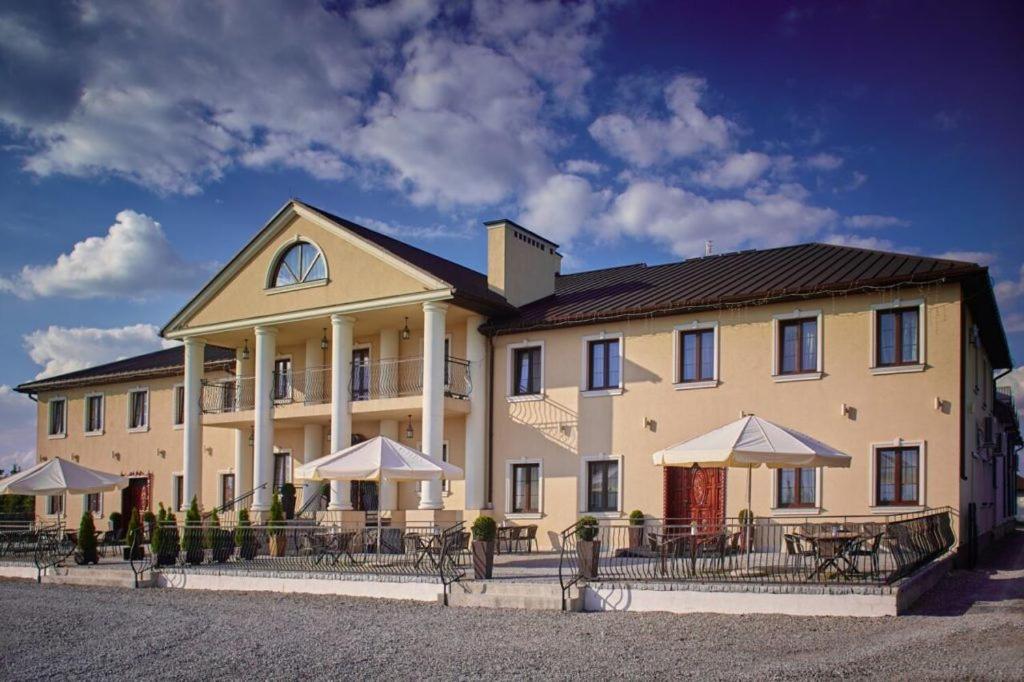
507	595
97	577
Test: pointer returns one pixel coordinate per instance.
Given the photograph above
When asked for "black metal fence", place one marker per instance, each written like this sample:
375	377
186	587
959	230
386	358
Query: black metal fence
818	550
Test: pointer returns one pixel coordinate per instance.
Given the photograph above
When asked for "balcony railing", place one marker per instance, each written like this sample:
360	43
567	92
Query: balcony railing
392	378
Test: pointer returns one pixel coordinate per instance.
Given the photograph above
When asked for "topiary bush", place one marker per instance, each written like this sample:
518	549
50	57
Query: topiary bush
275	531
133	538
587	529
170	540
636	518
288	500
192	537
746	517
115	523
149	519
245	536
87	553
156	534
484	529
219	540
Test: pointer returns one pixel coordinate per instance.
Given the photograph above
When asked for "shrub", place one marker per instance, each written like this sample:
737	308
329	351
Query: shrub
276	517
212	527
288	499
245	537
192	538
134	535
484	529
587	529
149	517
746	517
87	540
156	536
115	522
636	518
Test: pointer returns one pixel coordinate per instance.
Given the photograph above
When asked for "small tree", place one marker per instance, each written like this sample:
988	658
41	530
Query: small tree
587	529
484	529
87	540
288	500
636	517
245	538
192	538
115	522
276	524
133	538
276	512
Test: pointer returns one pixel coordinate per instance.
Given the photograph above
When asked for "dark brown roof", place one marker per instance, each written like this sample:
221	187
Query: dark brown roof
165	362
470	286
748	277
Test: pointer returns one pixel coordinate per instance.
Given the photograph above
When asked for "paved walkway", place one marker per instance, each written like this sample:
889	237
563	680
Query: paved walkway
971	626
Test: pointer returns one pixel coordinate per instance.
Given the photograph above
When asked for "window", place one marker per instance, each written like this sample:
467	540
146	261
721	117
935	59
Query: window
282	469
227	491
178	492
94	504
603	364
94	413
55	504
447	355
179	403
301	263
798	346
361	374
526	371
603	485
525	488
283	379
58	422
138	409
796	488
898	337
897	479
697	356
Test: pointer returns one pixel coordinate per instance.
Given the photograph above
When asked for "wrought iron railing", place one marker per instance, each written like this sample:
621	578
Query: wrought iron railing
317	502
228	395
53	548
399	377
233	506
817	550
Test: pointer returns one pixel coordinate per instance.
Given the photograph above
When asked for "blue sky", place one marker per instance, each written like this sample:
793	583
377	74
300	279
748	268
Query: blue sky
140	147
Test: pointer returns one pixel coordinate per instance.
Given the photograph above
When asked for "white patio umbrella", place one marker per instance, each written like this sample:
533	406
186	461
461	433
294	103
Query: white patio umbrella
751	442
377	459
59	476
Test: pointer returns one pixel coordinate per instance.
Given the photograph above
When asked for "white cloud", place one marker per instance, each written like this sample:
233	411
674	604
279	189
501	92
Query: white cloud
134	259
736	170
1014	323
979	257
645	141
1009	290
388	19
861	242
682	220
17	429
67	349
562	207
583	167
873	221
946	121
824	162
414	232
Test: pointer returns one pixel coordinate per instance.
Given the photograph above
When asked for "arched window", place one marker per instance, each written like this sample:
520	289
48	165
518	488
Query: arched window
302	262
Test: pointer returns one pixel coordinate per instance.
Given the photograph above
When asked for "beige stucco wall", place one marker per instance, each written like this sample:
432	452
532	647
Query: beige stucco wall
564	427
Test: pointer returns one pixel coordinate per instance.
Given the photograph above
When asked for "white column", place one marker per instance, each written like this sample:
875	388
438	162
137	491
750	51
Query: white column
263	447
193	436
341	419
476	420
243	450
312	448
388	350
433	396
388	498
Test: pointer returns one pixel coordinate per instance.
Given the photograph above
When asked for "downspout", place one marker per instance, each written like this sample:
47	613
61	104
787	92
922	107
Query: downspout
489	501
963	384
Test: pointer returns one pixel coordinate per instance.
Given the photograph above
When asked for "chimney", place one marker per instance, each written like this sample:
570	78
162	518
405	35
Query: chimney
521	265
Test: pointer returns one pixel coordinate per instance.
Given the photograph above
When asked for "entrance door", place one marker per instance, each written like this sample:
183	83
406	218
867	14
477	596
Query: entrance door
694	494
135	496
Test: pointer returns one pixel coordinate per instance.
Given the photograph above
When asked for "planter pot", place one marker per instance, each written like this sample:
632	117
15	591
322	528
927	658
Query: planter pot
129	555
288	503
87	557
167	557
483	559
248	549
278	543
636	537
589	552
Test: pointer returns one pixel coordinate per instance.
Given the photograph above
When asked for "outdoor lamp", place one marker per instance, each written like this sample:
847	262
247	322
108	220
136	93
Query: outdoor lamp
245	350
323	341
406	334
409	433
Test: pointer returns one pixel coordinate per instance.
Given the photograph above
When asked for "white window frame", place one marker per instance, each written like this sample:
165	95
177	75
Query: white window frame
677	348
174	406
585	365
128	415
85	414
269	287
289	473
510	371
220	485
921	336
776	510
178	505
798	314
64	505
85	505
509	514
922	476
49	418
583	486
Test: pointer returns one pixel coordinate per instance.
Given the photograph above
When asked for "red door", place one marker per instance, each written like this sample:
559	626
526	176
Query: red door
694	494
135	496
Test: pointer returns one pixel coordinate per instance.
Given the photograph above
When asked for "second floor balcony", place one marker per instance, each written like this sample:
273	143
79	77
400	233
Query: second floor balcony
389	378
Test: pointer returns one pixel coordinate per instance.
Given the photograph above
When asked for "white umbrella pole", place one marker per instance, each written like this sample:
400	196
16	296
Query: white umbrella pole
379	486
748	517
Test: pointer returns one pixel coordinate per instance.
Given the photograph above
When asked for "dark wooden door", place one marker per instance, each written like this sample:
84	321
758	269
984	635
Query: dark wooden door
135	496
694	494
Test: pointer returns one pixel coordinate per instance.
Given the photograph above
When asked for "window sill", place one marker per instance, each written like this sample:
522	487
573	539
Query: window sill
604	514
524	398
178	427
524	515
689	385
56	436
882	510
599	392
141	429
898	369
795	511
806	376
90	434
295	287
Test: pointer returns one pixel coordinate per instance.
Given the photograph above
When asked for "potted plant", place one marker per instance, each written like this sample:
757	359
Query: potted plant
277	539
114	521
165	538
636	529
485	530
192	537
245	537
588	547
149	520
87	553
156	534
219	540
134	550
288	500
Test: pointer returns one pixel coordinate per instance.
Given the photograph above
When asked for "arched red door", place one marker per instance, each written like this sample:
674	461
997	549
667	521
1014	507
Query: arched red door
694	494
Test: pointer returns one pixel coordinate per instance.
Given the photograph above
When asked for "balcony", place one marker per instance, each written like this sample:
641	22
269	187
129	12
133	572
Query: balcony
371	381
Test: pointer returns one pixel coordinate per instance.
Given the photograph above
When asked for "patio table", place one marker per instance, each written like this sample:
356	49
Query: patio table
831	548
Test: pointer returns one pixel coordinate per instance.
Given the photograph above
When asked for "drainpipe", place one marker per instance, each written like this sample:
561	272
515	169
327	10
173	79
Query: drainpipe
489	501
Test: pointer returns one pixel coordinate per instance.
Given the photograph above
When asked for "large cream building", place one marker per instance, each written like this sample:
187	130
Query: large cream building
552	391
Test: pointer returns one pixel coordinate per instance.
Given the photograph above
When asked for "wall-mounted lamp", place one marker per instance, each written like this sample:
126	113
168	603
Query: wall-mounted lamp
245	350
161	453
323	340
252	437
650	424
409	433
209	451
115	455
75	457
406	334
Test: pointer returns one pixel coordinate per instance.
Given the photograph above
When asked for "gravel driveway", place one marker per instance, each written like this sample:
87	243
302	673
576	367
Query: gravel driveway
971	626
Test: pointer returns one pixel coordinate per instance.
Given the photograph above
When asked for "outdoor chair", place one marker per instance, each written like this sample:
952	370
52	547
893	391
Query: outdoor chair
527	537
797	549
868	546
714	548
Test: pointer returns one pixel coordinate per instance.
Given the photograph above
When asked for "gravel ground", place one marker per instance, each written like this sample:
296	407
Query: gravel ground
971	626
